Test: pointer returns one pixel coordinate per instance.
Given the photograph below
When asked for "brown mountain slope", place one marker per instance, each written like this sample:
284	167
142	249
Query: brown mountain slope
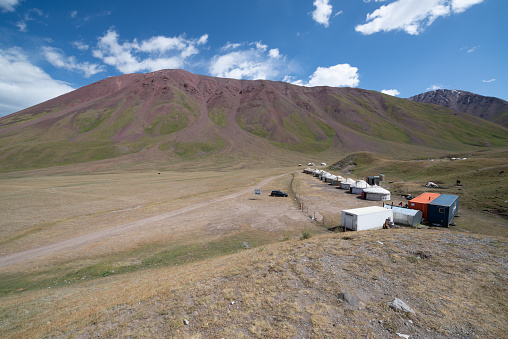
488	108
176	116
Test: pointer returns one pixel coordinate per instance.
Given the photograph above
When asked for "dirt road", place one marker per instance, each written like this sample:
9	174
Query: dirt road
73	243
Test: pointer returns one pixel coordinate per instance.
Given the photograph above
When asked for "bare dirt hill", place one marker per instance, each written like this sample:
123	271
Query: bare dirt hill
488	108
179	116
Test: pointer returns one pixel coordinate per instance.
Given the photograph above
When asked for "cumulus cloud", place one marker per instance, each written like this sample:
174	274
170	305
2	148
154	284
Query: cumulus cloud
23	84
341	75
8	5
411	16
248	61
147	55
57	58
322	12
392	92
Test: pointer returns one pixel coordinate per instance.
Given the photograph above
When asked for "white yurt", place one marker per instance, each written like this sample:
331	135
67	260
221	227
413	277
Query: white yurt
358	187
323	175
347	183
377	193
316	172
338	179
327	176
330	178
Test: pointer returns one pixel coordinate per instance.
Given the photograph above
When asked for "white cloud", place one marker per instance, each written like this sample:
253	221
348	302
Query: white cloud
23	85
230	45
411	16
469	49
392	92
491	80
8	5
56	57
434	87
80	45
29	16
460	6
322	12
148	55
73	14
340	75
274	53
252	62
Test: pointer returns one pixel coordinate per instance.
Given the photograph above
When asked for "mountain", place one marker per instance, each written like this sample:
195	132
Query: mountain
488	108
172	116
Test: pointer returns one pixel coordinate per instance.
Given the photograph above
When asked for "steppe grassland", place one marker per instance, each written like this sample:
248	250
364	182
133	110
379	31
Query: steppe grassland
59	208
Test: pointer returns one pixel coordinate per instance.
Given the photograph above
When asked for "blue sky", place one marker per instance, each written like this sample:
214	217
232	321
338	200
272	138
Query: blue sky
400	47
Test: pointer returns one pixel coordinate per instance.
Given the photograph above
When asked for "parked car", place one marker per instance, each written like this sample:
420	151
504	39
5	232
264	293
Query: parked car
278	193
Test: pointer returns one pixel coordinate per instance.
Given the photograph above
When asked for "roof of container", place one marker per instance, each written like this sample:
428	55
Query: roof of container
425	198
402	210
365	210
444	200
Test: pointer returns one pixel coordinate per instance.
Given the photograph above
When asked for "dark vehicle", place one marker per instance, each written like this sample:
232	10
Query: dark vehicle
278	194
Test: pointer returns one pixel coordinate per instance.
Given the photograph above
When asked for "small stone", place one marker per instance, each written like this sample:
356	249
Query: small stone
185	322
399	305
246	245
349	298
232	303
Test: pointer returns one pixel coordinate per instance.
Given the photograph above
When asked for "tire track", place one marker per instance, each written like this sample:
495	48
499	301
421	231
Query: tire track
15	258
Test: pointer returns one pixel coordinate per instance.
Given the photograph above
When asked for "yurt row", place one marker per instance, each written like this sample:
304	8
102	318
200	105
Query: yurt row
359	187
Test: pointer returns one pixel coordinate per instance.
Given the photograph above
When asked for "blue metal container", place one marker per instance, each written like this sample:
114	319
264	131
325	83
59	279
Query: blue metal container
442	209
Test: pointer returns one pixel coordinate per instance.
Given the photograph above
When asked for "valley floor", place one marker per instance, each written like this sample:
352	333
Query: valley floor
137	253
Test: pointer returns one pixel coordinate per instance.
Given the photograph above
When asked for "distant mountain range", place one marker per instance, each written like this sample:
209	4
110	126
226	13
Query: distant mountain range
488	108
174	115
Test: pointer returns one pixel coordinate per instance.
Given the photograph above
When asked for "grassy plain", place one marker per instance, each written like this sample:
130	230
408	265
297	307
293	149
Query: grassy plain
133	253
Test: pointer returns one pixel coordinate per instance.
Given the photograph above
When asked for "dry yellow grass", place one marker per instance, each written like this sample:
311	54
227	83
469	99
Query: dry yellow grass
145	280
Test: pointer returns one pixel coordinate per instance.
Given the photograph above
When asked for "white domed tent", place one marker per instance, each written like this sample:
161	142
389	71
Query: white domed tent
376	193
357	187
327	177
323	175
316	172
330	178
338	179
346	183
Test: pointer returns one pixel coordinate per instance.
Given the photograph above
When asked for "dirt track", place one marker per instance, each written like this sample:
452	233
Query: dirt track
73	243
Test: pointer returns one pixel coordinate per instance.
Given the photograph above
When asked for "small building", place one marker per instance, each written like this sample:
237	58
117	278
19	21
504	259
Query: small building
346	184
365	218
374	180
330	178
442	209
323	175
376	193
338	179
422	202
358	187
405	216
317	172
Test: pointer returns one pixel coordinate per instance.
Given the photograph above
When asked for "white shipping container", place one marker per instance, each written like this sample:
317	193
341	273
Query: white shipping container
365	218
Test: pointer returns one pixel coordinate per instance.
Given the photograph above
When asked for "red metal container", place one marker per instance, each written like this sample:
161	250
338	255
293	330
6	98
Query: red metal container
422	201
